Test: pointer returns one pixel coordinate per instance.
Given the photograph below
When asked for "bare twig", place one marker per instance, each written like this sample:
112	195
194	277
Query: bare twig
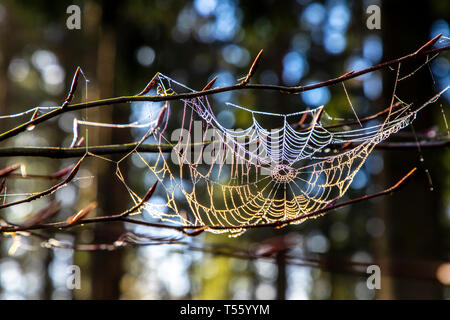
42	215
149	86
63	153
252	69
240	86
81	214
73	87
52	189
122	217
9	171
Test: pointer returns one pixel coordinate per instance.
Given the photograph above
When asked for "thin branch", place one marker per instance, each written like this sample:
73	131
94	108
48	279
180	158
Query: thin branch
252	69
73	87
64	153
240	86
149	86
365	119
196	230
404	268
52	189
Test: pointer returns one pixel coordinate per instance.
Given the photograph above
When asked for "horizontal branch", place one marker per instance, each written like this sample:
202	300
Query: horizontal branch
403	268
63	153
46	192
239	86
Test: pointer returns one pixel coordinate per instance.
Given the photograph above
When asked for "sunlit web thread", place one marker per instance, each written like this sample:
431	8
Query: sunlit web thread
241	186
39	110
422	160
150	126
445	120
427	62
287	144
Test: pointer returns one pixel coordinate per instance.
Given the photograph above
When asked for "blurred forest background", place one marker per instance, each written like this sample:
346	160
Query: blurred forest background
122	44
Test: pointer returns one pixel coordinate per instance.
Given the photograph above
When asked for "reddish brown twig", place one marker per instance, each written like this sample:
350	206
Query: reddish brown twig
71	175
9	170
73	87
252	69
210	84
81	214
149	86
43	215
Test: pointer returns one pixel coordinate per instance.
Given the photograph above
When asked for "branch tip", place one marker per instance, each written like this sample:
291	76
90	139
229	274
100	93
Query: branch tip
149	193
428	44
252	70
149	86
7	171
81	214
195	232
210	84
73	87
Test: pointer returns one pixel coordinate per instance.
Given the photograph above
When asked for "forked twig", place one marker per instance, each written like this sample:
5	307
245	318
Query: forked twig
52	189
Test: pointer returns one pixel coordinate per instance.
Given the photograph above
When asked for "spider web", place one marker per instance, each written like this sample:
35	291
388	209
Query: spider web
254	176
227	178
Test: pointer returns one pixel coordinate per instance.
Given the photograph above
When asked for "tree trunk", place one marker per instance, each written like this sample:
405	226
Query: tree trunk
412	214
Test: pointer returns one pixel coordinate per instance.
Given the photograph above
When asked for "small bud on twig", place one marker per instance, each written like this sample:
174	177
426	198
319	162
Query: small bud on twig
43	214
62	173
196	231
7	171
73	87
149	193
428	44
210	84
252	70
2	185
149	85
82	213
